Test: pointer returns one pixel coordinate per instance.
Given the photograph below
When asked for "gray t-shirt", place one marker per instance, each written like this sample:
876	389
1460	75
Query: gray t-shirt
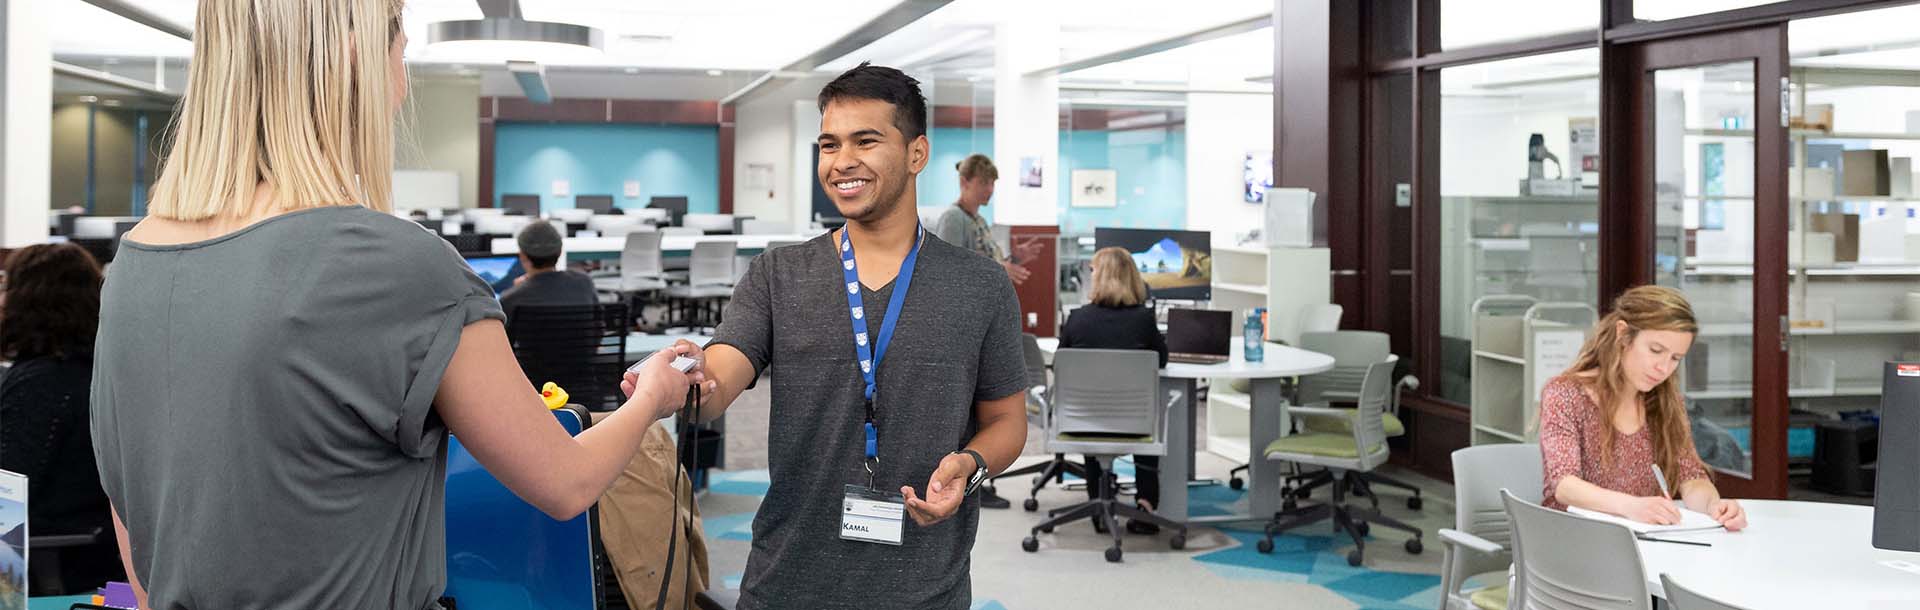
555	287
263	411
957	342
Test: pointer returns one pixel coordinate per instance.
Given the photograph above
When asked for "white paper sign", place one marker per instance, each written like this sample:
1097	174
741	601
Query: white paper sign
632	189
562	188
1553	351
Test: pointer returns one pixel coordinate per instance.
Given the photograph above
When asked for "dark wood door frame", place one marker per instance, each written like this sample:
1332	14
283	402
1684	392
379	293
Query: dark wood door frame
1627	238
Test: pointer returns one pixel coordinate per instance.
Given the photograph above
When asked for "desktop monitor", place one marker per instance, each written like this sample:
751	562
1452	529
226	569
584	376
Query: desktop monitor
521	205
1896	489
1177	265
676	207
600	204
497	271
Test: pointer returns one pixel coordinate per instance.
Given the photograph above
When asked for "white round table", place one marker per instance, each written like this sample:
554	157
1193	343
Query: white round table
1268	414
1793	555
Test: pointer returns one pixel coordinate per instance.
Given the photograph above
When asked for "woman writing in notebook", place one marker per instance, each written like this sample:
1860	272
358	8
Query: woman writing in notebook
1614	435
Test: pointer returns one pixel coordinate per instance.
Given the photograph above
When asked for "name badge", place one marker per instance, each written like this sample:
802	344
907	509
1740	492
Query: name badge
868	515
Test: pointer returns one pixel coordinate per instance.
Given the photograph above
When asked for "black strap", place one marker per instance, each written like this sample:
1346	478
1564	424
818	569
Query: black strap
688	438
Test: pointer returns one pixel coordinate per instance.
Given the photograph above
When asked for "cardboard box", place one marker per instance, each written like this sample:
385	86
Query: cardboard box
1818	250
1818	186
1900	170
1846	234
1818	117
1864	173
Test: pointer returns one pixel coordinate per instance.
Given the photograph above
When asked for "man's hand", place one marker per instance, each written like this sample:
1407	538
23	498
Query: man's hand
945	489
1028	248
1015	272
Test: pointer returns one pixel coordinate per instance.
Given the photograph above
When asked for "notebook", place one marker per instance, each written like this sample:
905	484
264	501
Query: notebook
1690	521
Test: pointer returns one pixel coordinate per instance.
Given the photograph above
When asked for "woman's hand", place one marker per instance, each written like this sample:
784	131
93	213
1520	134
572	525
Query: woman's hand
1729	514
1654	510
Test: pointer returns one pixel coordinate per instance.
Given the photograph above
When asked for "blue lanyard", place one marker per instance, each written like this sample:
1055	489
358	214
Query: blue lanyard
869	355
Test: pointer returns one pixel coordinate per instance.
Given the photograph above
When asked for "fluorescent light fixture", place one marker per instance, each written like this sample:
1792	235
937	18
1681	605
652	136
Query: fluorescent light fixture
715	73
533	80
89	99
112	103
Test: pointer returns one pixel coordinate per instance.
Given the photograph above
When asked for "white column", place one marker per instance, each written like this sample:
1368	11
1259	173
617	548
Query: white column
1026	116
26	139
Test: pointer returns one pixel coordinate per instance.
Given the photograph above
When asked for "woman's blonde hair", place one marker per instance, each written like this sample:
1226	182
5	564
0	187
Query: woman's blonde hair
1641	308
1116	283
977	166
293	93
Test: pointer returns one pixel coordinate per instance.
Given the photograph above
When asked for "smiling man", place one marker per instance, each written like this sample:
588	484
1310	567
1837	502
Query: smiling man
899	383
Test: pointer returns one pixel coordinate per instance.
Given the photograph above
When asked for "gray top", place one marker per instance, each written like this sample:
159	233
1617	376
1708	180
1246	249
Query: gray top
957	342
969	231
263	411
556	287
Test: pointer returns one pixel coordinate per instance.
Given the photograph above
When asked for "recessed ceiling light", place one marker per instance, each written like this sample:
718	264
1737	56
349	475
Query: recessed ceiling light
89	99
714	73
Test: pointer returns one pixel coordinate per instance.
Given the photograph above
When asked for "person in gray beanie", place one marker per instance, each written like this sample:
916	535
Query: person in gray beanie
543	284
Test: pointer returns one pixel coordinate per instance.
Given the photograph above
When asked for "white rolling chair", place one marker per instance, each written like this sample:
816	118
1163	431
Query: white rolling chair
651	216
1481	539
613	226
1038	413
1320	317
1345	457
681	232
572	216
1578	563
1353	352
641	271
1682	598
1107	403
710	277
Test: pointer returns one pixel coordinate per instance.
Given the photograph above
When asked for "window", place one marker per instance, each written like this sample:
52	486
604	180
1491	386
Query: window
1662	10
1467	23
1519	206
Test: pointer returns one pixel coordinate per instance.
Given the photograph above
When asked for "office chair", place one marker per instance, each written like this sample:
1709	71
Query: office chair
471	244
1345	457
1038	412
614	226
641	272
1578	563
1682	598
1481	539
583	348
710	278
1107	403
1353	352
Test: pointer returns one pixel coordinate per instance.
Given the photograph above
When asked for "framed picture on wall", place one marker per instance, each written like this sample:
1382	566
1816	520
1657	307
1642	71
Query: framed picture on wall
1095	188
1257	176
1030	172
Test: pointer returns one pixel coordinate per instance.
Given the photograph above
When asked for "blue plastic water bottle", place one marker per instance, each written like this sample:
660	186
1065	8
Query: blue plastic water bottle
1255	336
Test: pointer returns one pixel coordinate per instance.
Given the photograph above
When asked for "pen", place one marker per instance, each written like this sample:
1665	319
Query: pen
1662	479
1685	542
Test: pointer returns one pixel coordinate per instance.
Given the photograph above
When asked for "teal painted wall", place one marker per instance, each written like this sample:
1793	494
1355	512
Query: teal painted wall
598	159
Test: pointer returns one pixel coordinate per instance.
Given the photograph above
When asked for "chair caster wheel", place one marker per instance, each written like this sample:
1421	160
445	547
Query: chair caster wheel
1030	544
1031	505
1305	494
1113	554
1414	547
1179	542
1357	492
1413	503
1289	505
1363	528
1353	558
1046	530
1264	546
1236	484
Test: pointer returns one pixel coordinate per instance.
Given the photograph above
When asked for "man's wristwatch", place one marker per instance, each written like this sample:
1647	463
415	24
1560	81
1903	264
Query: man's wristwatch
979	470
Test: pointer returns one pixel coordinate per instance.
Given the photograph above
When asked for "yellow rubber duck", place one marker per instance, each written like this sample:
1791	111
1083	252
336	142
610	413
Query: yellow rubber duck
553	395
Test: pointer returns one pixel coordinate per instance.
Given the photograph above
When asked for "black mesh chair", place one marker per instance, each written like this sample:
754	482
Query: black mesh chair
583	348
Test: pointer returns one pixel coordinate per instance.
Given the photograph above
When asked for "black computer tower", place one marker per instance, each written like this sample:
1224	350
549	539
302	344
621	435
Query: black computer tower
1896	497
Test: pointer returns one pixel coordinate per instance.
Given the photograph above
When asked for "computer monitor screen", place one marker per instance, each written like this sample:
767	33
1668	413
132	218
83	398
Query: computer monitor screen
496	271
675	206
521	205
1199	331
1176	264
600	204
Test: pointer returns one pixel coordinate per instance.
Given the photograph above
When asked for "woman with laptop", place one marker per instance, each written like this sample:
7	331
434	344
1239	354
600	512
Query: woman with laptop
1614	434
1116	317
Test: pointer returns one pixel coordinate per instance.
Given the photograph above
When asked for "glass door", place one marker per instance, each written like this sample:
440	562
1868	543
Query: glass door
1707	183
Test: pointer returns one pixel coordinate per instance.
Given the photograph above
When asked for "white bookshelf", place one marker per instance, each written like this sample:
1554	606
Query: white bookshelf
1241	277
1519	344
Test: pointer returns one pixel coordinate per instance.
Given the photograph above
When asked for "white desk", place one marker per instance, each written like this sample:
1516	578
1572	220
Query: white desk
1795	555
601	247
1269	416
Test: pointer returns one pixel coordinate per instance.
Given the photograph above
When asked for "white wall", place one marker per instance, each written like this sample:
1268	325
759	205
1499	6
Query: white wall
444	132
1221	130
775	126
26	86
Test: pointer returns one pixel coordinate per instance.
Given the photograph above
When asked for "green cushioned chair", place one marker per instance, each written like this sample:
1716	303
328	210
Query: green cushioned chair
1490	598
1353	352
1345	458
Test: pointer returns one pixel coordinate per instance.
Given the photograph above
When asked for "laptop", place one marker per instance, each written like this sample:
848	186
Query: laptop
1199	336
